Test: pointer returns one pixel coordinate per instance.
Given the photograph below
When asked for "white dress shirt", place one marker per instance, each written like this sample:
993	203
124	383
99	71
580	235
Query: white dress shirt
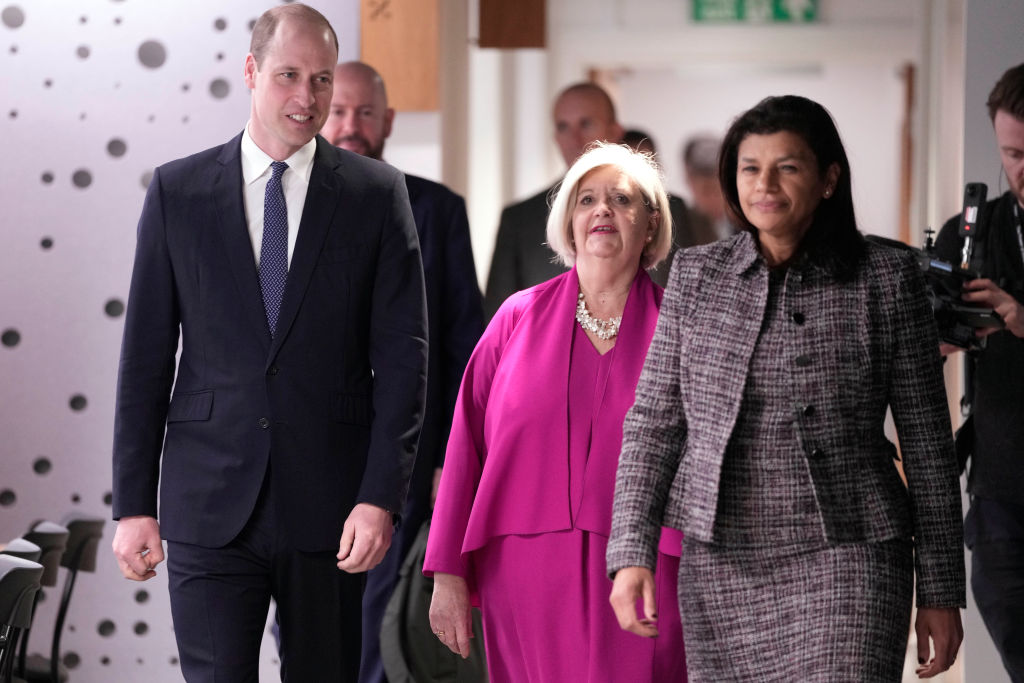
295	182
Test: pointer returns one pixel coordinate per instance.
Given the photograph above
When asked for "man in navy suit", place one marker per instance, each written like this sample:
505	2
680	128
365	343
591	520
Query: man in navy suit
290	436
360	121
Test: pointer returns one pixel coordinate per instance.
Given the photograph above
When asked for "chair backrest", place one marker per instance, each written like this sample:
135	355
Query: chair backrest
26	550
84	535
19	581
51	538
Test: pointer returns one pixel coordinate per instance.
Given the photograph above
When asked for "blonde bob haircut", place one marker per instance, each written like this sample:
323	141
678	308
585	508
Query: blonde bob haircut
640	168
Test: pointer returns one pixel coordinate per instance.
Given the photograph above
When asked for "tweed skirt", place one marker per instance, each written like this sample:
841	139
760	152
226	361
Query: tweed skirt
796	613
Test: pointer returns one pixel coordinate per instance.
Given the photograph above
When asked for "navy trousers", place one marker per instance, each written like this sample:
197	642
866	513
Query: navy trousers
220	598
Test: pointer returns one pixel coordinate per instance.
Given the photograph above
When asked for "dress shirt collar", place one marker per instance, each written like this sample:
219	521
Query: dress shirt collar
255	161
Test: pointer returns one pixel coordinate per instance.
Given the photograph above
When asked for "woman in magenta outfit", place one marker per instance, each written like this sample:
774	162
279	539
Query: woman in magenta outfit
523	512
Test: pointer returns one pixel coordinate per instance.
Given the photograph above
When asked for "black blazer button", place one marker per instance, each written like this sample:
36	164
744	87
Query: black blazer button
803	361
263	423
272	371
817	453
808	411
798	318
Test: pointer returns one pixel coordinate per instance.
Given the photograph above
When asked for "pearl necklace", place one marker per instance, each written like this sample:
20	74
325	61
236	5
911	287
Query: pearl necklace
604	329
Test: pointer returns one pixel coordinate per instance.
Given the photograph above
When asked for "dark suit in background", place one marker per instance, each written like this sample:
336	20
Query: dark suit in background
270	441
522	258
455	315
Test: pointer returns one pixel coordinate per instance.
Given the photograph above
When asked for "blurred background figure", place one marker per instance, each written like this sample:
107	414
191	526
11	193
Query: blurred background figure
583	113
700	168
689	227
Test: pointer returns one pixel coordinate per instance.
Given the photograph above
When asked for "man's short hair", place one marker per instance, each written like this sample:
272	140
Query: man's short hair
590	88
700	155
265	27
364	70
1008	94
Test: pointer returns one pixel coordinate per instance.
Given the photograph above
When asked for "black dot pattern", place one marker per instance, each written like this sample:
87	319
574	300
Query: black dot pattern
219	88
12	17
152	54
81	178
182	72
117	147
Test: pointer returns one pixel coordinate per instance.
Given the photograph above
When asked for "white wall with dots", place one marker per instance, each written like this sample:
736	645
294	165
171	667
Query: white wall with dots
93	95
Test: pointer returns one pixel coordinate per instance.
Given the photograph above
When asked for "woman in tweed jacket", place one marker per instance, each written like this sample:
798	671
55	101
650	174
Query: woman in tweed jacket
758	431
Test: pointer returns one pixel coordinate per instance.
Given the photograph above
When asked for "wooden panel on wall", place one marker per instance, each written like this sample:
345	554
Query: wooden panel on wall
520	23
399	38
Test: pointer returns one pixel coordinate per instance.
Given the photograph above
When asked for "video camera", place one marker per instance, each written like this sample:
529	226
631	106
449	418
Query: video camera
956	320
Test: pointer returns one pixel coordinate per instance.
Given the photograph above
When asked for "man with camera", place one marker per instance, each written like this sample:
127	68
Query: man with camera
994	527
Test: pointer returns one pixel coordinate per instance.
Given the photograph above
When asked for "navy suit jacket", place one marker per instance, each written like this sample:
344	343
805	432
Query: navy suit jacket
454	307
329	409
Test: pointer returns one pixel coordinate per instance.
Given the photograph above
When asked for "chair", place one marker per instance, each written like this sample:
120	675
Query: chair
19	582
26	550
84	534
51	538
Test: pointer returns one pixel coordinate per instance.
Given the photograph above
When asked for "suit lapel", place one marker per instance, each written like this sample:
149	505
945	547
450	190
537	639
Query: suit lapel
321	200
227	196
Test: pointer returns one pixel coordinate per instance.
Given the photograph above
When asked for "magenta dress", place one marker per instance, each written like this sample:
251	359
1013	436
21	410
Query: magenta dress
536	564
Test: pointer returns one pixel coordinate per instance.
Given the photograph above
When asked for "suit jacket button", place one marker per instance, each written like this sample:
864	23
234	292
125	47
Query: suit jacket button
798	318
807	411
272	371
803	361
263	423
817	453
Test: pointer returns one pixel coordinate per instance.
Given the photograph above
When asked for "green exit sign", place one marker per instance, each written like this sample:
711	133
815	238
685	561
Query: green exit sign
755	11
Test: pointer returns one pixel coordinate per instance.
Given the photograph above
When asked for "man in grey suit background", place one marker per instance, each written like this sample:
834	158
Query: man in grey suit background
583	113
290	270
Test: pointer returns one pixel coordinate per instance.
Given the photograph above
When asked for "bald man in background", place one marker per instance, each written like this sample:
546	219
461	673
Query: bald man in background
583	113
361	121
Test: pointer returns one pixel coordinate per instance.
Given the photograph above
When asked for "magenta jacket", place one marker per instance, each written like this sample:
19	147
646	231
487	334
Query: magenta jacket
506	469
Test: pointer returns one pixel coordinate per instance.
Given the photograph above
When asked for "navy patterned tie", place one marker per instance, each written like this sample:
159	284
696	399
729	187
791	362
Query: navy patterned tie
274	250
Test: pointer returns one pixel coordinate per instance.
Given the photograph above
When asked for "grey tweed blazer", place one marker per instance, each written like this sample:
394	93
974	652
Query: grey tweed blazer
857	348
